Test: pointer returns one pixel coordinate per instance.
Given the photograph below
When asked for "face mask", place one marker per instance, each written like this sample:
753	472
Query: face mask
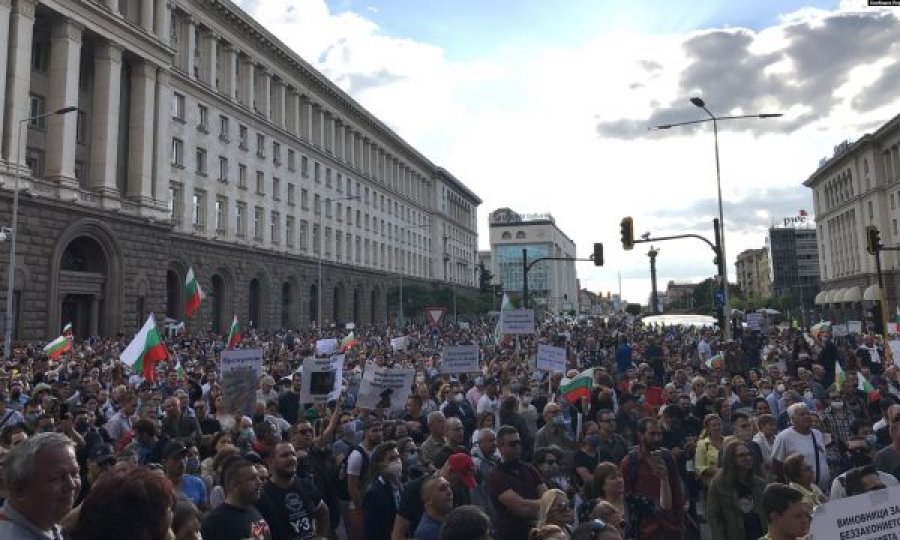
550	469
394	469
872	439
780	388
193	465
458	398
807	395
837	405
592	440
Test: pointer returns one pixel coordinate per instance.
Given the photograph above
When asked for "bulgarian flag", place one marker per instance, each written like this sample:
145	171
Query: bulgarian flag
234	334
145	350
578	386
715	361
67	330
192	292
55	348
349	342
863	384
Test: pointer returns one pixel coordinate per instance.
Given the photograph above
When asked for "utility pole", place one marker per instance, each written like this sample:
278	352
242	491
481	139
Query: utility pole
654	309
524	278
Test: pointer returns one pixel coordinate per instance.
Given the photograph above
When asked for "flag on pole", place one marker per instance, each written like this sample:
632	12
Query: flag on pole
234	334
67	330
578	386
193	293
504	306
145	350
715	361
803	213
57	347
349	342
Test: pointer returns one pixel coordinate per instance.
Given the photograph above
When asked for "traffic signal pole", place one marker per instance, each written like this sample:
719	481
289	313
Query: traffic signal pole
526	267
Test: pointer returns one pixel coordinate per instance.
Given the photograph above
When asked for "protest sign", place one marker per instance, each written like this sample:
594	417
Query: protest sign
870	516
460	359
839	330
239	373
892	328
854	327
321	380
517	321
754	321
385	388
399	343
551	359
895	351
326	347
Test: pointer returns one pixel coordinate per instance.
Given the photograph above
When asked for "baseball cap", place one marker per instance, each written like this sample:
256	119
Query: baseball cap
174	449
102	453
463	465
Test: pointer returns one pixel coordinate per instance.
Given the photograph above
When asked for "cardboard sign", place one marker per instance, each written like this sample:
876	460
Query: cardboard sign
870	516
385	388
854	327
460	359
321	379
326	347
892	328
754	321
399	343
839	330
551	359
434	315
517	321
239	373
895	351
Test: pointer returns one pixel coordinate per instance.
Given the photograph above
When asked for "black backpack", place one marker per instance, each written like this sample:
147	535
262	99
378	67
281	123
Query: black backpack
342	491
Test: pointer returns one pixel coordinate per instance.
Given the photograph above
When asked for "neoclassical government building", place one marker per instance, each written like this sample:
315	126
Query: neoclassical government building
202	141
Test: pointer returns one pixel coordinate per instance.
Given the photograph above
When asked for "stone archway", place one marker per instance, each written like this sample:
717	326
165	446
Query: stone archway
86	280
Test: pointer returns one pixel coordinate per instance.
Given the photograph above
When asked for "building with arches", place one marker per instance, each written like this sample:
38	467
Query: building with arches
552	284
201	141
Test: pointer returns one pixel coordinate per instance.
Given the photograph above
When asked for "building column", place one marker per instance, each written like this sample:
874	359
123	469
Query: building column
140	132
231	70
316	130
278	107
18	78
290	110
5	9
190	60
105	122
113	6
306	118
95	315
147	15
163	17
248	74
265	92
163	151
212	60
338	139
65	62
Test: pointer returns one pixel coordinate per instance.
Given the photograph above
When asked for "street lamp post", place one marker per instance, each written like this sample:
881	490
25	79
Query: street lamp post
654	308
11	271
319	258
698	102
400	315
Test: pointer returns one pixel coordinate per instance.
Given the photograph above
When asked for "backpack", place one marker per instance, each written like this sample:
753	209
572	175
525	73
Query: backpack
342	490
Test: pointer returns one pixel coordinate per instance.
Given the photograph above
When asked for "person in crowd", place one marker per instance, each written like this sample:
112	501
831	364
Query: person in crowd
611	445
556	509
293	507
609	486
800	476
802	439
586	458
607	513
706	456
459	407
548	532
485	454
237	518
651	479
836	418
129	502
455	435
466	522
42	480
863	480
175	456
382	492
596	529
436	438
515	488
860	454
764	438
484	420
554	431
185	520
549	461
787	516
734	499
355	465
888	458
509	416
437	499
176	425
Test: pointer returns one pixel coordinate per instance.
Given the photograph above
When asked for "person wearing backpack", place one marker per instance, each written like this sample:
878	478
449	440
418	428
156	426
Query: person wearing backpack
351	470
652	486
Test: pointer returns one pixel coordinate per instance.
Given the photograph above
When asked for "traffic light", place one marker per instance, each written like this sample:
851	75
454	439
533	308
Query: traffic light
873	239
627	226
598	254
485	278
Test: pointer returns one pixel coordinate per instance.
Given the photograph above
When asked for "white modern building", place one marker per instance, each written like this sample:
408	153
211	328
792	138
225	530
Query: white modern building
858	186
203	141
552	284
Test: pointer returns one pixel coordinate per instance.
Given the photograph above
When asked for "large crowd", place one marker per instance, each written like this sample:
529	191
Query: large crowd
683	435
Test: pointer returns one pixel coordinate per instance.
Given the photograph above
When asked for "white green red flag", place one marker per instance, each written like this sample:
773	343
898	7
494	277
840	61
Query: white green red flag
145	350
67	330
193	294
349	342
57	347
234	334
578	386
179	370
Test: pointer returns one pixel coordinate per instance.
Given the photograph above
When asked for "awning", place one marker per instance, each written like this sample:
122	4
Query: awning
872	293
821	298
852	294
829	296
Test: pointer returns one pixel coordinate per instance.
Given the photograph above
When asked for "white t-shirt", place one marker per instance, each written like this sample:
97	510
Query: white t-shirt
790	442
838	491
354	464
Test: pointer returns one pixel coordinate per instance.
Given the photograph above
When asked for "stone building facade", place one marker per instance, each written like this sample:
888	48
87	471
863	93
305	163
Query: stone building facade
202	141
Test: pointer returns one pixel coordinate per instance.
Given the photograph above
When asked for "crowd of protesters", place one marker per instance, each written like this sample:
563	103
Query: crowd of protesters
684	435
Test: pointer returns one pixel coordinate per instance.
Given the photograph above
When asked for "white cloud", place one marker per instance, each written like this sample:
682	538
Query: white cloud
522	132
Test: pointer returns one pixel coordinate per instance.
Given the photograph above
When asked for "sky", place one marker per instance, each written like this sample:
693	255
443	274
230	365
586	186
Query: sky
545	107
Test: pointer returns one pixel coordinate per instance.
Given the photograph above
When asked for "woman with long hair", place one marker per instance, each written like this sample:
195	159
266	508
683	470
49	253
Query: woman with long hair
734	499
555	509
587	458
801	476
706	455
382	491
485	419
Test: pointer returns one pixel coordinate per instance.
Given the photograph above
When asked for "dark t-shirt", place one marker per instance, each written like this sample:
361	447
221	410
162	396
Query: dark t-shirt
524	480
290	512
585	460
411	506
227	522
